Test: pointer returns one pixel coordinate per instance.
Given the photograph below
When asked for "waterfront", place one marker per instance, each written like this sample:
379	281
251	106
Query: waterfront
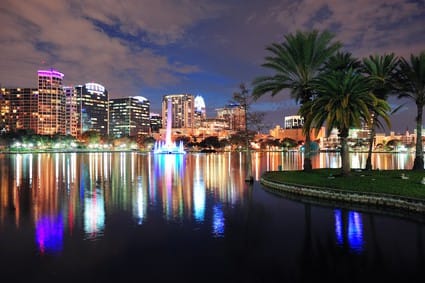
115	216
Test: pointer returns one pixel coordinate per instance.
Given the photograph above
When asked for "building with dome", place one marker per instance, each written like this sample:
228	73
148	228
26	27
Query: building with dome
92	107
200	112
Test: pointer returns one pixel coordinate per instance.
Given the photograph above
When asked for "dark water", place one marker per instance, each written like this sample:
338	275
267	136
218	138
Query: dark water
129	217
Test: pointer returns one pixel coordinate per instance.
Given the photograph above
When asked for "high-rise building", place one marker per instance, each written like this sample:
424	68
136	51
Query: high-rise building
18	109
71	111
183	108
129	116
51	103
235	115
92	107
200	112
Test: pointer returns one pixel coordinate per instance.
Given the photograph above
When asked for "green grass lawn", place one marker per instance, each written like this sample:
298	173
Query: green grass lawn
375	181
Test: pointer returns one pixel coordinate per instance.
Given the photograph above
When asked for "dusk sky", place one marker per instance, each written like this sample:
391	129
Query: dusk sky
157	47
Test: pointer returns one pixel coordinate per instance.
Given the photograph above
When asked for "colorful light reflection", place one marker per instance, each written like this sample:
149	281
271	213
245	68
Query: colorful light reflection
352	233
218	221
49	234
94	214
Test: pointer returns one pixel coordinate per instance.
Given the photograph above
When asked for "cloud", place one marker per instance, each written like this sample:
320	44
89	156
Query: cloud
154	47
66	35
164	21
363	26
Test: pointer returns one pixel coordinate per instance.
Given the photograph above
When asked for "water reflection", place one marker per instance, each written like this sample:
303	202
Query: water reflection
218	221
94	213
49	234
63	193
349	230
198	192
294	160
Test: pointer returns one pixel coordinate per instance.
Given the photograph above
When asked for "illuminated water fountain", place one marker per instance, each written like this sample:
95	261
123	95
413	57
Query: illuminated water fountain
168	146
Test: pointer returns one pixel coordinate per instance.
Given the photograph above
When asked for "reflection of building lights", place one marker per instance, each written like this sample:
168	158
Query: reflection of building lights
94	214
355	231
198	194
18	169
49	234
218	221
141	205
338	227
353	236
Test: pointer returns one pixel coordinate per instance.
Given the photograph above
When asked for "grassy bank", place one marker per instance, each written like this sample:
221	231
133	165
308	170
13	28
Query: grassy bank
388	182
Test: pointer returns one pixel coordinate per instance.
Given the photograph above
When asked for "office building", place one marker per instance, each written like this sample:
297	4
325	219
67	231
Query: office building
18	109
71	111
129	116
93	108
235	115
182	110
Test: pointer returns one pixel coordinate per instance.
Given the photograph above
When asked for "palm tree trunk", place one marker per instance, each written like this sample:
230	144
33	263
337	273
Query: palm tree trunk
371	140
307	152
419	157
345	160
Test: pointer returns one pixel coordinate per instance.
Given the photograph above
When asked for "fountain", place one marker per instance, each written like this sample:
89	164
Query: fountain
168	146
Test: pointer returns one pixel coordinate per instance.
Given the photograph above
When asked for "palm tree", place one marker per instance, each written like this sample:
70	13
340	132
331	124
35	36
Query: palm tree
343	101
296	62
342	61
411	79
381	71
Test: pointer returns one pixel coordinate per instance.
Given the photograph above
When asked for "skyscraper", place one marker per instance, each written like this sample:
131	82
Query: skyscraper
234	114
18	109
200	112
93	108
183	108
71	111
51	103
129	116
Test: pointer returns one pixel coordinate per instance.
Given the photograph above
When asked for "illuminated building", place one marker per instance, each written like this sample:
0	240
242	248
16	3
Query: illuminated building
18	109
51	103
234	114
92	105
296	134
200	112
156	122
294	122
183	108
71	111
129	116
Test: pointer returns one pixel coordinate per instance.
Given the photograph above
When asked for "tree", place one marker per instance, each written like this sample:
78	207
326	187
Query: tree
244	99
381	70
91	136
343	101
296	62
411	84
342	61
210	142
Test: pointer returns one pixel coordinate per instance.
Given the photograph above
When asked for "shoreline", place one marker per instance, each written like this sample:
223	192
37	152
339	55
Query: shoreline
406	204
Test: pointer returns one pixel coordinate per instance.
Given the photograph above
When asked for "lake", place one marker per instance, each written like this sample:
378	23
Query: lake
136	217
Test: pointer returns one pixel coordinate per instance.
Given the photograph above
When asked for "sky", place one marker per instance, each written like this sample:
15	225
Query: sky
152	48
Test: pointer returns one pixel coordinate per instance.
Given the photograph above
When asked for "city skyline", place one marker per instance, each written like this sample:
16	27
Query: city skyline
206	48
